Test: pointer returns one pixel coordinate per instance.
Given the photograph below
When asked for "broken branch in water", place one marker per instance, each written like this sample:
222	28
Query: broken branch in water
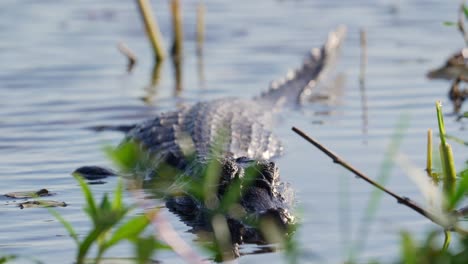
400	199
132	59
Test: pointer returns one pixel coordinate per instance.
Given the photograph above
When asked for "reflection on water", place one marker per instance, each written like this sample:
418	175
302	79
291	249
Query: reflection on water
177	63
61	73
362	82
152	88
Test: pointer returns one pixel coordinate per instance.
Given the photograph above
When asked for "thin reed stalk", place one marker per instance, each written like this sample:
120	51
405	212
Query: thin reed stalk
152	29
446	156
362	83
429	153
447	238
200	27
178	33
363	44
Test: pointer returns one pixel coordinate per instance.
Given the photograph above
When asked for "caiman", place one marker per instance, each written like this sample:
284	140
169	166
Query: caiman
237	134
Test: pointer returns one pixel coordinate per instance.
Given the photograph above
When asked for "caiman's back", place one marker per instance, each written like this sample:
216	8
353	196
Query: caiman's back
233	127
237	133
240	127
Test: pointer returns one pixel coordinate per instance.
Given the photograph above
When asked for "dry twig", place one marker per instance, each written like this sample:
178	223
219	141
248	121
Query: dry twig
132	59
400	199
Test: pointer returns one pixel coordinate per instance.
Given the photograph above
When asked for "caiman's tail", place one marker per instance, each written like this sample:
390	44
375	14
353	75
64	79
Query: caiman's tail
300	82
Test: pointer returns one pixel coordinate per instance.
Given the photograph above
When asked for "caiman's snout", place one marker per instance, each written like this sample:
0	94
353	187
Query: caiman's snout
262	193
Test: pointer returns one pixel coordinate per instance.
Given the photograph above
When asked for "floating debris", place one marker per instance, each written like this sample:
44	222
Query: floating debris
41	204
29	194
93	173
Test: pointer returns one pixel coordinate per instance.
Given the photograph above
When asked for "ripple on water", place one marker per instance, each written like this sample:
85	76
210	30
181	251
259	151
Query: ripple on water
61	74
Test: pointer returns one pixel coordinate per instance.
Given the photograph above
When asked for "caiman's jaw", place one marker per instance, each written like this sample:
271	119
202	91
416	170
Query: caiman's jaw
261	198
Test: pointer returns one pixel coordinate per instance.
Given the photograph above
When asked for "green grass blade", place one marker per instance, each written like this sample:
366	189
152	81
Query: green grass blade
127	155
144	248
91	205
91	238
66	224
440	121
7	258
408	249
447	238
461	189
457	140
446	156
129	230
117	201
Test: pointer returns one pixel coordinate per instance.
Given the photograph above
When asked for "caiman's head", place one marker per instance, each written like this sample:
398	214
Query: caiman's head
456	66
247	193
254	195
261	191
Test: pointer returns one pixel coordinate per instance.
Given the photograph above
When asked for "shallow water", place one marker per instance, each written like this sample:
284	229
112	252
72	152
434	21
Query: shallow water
62	73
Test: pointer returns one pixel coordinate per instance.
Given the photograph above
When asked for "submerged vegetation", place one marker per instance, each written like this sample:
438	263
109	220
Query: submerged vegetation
111	227
112	223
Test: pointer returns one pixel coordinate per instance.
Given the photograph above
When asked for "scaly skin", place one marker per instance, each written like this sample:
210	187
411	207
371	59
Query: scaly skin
237	133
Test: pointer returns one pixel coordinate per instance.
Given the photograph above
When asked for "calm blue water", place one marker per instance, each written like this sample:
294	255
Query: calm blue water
61	72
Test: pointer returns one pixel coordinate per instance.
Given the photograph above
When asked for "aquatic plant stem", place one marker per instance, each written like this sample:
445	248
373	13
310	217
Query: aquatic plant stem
429	154
402	200
446	156
363	44
447	238
131	57
178	33
152	29
200	27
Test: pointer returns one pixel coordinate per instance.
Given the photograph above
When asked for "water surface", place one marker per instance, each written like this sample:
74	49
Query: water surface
62	73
